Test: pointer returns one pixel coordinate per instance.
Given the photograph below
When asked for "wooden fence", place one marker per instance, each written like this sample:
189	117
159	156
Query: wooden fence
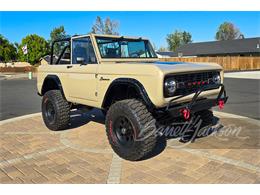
18	69
229	63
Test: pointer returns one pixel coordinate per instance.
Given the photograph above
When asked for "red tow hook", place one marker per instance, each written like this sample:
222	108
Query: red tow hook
186	113
221	104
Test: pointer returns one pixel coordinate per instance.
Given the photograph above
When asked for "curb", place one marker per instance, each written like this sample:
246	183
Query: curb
19	118
16	76
4	77
228	115
243	75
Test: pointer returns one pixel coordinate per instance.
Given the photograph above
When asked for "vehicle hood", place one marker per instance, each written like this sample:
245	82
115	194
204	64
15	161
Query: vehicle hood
153	68
176	67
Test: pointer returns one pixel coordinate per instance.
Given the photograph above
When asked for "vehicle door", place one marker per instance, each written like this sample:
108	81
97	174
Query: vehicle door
82	81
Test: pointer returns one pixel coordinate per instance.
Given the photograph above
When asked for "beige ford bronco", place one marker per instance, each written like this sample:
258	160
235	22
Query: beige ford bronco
123	77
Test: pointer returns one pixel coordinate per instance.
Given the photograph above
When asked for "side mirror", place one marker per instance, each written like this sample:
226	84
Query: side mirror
80	60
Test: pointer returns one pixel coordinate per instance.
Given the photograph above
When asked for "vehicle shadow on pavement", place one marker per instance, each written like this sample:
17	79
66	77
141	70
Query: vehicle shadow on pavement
193	133
80	118
188	136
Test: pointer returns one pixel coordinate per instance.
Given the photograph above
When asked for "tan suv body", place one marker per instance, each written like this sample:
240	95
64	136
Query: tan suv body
99	70
87	84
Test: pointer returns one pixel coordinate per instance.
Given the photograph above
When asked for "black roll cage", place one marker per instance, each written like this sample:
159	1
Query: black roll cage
64	49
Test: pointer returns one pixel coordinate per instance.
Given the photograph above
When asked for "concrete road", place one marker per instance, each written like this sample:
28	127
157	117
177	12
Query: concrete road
244	97
19	97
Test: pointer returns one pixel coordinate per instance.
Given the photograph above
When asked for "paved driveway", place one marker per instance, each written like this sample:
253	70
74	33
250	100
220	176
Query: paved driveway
30	153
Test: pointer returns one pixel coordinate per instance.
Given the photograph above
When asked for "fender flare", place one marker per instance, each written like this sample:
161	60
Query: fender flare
134	83
57	81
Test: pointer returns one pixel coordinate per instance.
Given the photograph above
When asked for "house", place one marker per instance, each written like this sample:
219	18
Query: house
165	54
238	47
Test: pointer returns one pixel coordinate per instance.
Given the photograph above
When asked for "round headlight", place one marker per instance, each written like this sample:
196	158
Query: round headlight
170	86
217	79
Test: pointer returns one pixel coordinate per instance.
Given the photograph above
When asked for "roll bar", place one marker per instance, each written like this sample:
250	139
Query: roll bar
68	39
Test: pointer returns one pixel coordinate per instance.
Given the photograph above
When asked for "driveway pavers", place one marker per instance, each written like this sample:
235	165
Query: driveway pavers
30	153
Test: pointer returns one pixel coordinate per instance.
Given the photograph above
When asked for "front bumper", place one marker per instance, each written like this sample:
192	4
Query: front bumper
197	104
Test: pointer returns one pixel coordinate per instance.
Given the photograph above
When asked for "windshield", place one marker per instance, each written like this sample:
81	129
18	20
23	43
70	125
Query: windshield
124	48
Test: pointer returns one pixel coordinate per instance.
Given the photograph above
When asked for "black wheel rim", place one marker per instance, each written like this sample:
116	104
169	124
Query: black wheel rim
50	112
124	131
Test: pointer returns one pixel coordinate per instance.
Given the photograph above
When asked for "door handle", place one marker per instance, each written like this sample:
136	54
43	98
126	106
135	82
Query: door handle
69	66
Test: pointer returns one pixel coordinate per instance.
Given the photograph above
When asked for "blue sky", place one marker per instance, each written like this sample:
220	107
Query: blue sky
154	25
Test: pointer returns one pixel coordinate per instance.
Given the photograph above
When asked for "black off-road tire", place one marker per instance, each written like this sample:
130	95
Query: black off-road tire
144	139
61	116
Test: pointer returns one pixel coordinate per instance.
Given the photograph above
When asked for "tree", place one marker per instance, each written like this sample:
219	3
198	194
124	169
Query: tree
105	27
37	47
186	37
228	31
177	39
7	50
162	49
58	33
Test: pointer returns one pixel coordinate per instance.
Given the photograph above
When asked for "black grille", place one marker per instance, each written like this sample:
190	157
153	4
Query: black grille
189	83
